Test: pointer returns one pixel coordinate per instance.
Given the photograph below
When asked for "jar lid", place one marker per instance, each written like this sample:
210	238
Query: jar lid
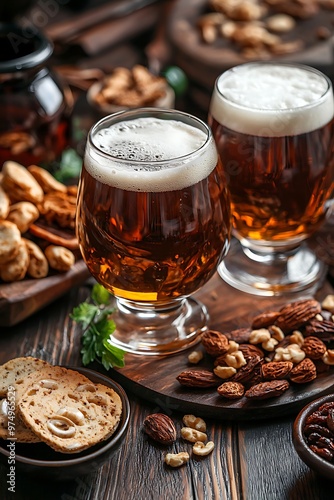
22	48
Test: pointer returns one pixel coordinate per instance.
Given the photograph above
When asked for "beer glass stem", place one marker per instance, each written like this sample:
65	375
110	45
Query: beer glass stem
158	330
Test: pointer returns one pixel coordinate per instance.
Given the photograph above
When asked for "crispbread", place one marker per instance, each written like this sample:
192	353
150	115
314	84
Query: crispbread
88	412
12	375
14	372
20	432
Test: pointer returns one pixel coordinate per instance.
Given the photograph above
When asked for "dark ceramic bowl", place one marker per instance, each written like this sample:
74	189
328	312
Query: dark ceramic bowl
315	462
39	460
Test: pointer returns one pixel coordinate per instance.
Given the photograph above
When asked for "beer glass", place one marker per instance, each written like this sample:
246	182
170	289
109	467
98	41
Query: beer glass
273	126
153	222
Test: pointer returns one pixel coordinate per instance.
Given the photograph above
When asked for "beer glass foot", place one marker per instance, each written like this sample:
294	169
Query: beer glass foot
272	275
158	331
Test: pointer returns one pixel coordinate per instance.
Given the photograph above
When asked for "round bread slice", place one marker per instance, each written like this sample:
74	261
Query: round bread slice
14	372
68	411
20	432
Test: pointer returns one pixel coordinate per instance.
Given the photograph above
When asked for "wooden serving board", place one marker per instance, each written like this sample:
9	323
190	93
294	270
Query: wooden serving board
154	378
21	299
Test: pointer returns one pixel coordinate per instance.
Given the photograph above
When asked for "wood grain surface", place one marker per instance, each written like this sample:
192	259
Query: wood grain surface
252	460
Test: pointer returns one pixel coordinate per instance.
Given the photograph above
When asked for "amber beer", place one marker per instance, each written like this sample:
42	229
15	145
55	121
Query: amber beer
153	218
277	151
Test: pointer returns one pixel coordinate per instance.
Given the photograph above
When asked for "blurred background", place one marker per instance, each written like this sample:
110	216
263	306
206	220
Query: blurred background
187	42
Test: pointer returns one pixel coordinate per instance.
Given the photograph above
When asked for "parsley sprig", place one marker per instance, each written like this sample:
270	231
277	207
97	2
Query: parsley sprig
98	326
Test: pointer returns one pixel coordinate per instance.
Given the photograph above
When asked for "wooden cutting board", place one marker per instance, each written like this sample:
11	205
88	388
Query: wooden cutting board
21	299
154	378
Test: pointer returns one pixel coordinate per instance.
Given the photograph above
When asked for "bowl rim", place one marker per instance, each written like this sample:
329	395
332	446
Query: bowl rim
114	438
313	460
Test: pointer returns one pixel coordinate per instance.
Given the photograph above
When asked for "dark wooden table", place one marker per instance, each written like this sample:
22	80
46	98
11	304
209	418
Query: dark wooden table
253	460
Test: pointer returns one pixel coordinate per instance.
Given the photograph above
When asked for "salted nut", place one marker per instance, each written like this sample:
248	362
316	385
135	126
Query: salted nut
202	449
61	426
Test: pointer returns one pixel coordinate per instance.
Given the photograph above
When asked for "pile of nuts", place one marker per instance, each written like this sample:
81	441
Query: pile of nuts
161	429
131	88
319	431
256	26
29	196
280	348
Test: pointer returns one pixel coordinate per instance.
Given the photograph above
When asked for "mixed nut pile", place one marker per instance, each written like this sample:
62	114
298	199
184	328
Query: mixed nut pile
161	428
280	348
256	27
131	88
37	218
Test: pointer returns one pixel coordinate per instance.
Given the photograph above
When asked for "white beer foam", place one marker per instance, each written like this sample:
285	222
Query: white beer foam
153	142
272	100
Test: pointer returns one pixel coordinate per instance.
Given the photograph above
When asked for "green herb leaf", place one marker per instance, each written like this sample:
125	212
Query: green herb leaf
98	327
100	295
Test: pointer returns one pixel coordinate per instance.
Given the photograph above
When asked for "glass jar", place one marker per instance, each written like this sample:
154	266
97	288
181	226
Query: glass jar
35	106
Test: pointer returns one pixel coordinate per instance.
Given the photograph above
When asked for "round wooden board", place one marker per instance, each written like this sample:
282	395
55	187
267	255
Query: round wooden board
154	378
203	62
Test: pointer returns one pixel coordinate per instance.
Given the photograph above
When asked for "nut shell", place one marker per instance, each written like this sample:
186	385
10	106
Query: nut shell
160	428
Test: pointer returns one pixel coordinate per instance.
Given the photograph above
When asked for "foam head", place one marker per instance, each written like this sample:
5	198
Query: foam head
272	100
150	154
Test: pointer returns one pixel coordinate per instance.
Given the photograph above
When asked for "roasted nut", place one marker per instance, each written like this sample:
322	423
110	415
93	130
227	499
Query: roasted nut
259	336
232	346
195	357
231	390
296	314
4	204
215	343
240	335
250	350
23	214
46	180
16	269
328	303
303	372
290	353
202	449
235	359
280	23
245	373
276	333
177	459
266	390
38	265
269	345
19	184
10	239
59	258
328	357
160	427
296	338
193	435
324	329
194	422
198	378
276	370
264	320
224	372
314	348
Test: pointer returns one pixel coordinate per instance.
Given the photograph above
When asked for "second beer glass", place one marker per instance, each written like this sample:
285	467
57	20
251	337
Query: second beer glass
153	222
273	125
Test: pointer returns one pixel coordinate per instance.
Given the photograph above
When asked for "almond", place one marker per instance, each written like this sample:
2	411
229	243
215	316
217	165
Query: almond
265	319
314	348
198	378
266	390
160	428
215	343
304	372
297	314
231	390
275	370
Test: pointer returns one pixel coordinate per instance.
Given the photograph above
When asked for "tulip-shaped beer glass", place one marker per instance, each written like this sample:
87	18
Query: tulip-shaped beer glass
153	222
273	126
